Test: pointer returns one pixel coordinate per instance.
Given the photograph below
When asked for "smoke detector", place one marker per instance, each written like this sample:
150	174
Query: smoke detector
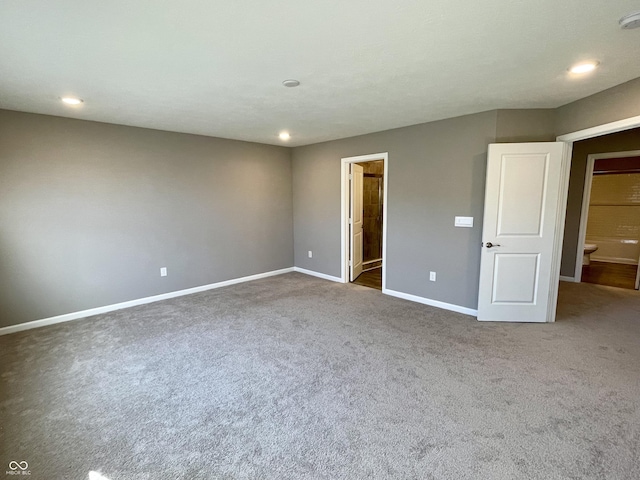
630	21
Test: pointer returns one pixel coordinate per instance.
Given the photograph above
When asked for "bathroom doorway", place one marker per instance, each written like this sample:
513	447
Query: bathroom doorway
364	219
372	217
610	220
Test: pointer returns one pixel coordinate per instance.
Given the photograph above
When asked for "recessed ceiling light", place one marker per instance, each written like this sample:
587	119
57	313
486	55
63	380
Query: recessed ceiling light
72	100
291	83
584	67
630	21
284	136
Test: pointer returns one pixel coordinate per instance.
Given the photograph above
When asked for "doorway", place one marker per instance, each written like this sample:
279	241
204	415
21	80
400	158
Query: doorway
572	139
561	192
364	219
610	220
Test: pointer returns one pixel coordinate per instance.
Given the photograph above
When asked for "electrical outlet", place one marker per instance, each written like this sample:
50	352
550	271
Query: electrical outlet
163	272
310	254
432	276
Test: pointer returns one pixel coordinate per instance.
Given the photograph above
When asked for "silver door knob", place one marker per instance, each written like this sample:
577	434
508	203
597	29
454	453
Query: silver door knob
489	245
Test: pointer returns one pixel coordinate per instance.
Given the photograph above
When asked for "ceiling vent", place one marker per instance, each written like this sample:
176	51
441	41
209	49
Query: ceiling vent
630	21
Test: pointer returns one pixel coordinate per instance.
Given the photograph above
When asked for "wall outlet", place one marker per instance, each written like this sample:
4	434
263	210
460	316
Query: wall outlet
310	254
432	276
163	272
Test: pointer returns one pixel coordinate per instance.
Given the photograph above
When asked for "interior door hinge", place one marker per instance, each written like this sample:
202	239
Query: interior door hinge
350	177
350	264
350	221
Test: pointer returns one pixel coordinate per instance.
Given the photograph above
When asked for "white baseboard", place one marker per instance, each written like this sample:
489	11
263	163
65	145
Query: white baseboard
317	274
432	303
564	278
132	303
365	269
369	262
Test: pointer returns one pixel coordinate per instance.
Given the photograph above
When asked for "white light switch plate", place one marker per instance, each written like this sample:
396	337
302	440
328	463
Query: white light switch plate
464	222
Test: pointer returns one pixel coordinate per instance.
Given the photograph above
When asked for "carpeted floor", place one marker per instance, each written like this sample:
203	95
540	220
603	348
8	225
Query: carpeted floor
294	377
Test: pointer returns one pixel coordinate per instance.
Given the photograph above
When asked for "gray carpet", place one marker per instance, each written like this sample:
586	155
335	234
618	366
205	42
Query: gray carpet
294	377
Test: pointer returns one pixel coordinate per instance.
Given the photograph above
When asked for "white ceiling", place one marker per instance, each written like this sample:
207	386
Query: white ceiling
215	68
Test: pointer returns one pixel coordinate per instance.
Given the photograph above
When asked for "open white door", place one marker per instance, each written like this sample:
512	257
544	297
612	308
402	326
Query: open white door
519	232
355	221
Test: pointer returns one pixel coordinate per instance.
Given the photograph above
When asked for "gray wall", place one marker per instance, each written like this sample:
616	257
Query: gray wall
519	125
89	212
436	171
613	104
627	140
617	103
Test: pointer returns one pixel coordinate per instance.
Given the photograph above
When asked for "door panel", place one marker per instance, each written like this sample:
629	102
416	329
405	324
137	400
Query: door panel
521	208
515	278
520	205
356	224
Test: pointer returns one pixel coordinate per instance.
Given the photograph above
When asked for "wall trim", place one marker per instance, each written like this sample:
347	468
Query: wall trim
432	303
317	274
371	268
612	127
564	278
561	216
132	303
345	196
369	262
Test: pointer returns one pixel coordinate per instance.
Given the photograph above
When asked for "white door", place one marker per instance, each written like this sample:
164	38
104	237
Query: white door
519	231
355	223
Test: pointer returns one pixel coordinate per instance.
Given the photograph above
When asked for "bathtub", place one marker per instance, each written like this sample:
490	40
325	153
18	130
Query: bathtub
615	249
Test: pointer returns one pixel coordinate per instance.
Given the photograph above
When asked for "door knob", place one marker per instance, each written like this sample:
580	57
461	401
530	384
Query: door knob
489	245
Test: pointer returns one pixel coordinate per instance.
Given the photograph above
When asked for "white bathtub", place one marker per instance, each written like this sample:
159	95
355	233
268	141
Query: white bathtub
615	250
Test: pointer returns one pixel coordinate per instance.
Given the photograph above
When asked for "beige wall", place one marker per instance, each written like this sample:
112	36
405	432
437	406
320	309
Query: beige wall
614	217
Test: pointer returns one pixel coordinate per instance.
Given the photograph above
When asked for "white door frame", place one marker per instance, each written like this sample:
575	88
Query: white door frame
569	138
345	193
586	197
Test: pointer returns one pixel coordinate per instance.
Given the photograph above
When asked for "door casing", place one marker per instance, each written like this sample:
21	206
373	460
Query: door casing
586	197
569	138
345	193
